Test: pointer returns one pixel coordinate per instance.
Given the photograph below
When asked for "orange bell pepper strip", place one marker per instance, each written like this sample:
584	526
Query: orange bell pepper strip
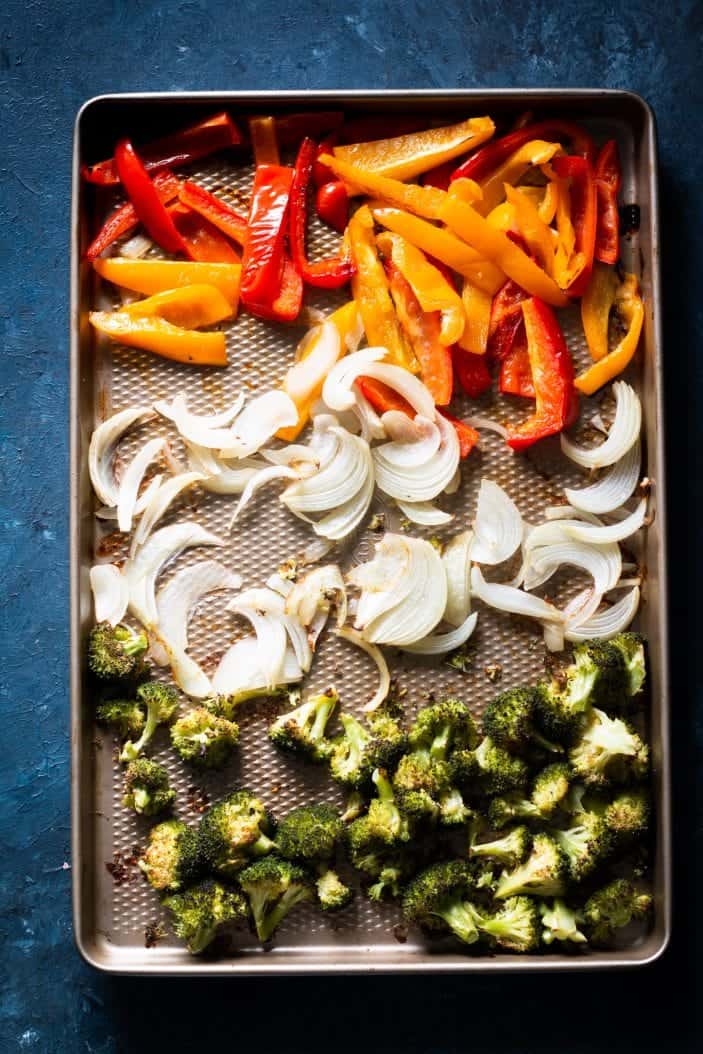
160	337
466	190
477	313
464	221
372	295
429	285
582	197
422	329
190	307
536	152
423	201
596	305
156	276
408	156
539	237
442	246
630	308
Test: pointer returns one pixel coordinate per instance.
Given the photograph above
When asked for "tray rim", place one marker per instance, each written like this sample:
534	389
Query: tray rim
88	945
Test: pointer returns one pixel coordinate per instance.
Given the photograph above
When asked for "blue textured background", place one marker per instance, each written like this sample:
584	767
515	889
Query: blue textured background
53	56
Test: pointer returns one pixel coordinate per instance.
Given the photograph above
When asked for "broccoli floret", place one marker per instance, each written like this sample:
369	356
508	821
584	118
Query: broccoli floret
609	750
172	858
384	819
509	722
274	886
438	899
222	705
443	727
354	807
389	882
199	912
515	926
302	731
116	652
332	893
147	788
161	702
509	807
561	923
489	769
233	832
627	816
360	750
586	844
204	739
510	850
544	873
614	906
377	842
309	833
550	788
631	647
124	716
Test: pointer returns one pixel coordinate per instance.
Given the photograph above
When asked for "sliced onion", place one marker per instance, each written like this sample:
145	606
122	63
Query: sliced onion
258	480
102	448
423	480
280	585
176	600
553	633
259	421
514	601
110	593
131	481
457	567
374	653
210	431
315	591
615	532
498	526
345	466
369	424
413	441
424	513
159	503
602	562
440	643
568	512
221	476
614	489
294	454
337	524
299	641
624	432
240	676
315	551
476	421
305	377
271	638
608	623
338	394
136	247
454	483
187	674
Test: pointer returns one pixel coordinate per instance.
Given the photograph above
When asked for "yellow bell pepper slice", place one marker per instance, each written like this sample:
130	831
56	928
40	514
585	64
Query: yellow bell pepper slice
191	306
407	156
568	263
630	308
502	217
156	276
423	201
477	309
444	246
433	291
540	238
372	294
536	152
464	221
162	338
596	305
466	190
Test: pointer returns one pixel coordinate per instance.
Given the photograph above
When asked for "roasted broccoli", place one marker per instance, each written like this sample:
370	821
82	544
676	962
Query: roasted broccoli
390	878
274	886
550	788
443	727
438	900
302	730
608	751
544	873
509	722
631	647
172	858
627	816
515	926
378	841
221	705
489	769
309	833
354	807
384	819
561	923
332	893
116	652
199	912
147	788
204	739
161	702
510	850
614	906
360	749
234	832
124	716
586	844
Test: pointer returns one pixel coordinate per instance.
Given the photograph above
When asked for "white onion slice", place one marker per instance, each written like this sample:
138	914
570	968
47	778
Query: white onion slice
514	601
338	394
176	600
553	633
315	551
136	247
187	674
374	653
210	431
615	532
440	643
457	567
258	480
424	513
315	591
310	369
299	641
568	512
344	468
337	524
602	562
478	422
271	638
102	447
614	489
294	454
414	442
624	432
223	477
131	481
421	481
608	623
259	421
367	421
110	593
279	584
159	504
239	675
498	526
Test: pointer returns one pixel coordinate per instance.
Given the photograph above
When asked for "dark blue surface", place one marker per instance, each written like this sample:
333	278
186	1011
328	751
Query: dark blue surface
53	56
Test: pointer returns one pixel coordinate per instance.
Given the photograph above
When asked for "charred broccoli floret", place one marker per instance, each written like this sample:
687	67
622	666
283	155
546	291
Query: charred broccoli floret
510	850
515	926
360	750
550	788
161	702
608	751
332	893
147	788
309	833
509	722
442	728
116	652
390	878
199	912
586	844
233	832
354	807
489	769
438	900
544	873
627	816
124	716
561	923
614	906
274	886
302	730
378	841
171	860
631	647
204	739
510	807
384	819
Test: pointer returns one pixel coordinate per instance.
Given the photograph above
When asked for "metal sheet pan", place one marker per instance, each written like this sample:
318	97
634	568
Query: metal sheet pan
110	917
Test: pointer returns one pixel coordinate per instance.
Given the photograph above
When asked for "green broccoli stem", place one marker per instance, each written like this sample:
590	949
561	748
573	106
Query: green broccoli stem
142	799
322	716
131	751
267	922
202	937
461	918
440	745
131	643
261	846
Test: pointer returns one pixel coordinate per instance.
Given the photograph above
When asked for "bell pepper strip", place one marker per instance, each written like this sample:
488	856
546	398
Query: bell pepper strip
439	177
490	156
262	132
537	235
443	247
477	314
206	137
157	276
583	213
325	274
423	201
608	177
422	329
530	155
471	372
321	173
467	224
432	289
506	321
515	376
465	190
408	156
202	241
190	306
596	305
213	209
552	375
630	309
384	399
372	294
148	206
264	248
160	337
286	307
124	219
332	204
294	127
468	437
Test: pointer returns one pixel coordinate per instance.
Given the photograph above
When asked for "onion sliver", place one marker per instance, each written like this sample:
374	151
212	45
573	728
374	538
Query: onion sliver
316	590
417	603
176	600
614	489
608	623
316	355
337	391
110	593
337	524
413	442
424	513
344	469
187	674
457	567
259	421
624	432
240	677
511	600
209	431
615	532
258	480
498	526
160	502
421	481
440	643
602	562
376	655
102	447
131	480
476	421
271	638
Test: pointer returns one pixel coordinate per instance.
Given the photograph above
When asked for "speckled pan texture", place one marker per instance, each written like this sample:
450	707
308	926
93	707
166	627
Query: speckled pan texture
114	905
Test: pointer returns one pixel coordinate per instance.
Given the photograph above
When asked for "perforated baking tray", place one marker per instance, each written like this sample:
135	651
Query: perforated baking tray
116	914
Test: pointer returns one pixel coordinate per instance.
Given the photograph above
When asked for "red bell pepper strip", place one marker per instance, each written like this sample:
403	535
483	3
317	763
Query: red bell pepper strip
439	177
148	206
490	156
506	320
296	126
216	133
422	329
125	218
383	399
286	306
332	204
213	209
584	213
321	174
201	240
325	274
471	371
552	374
608	178
468	437
264	248
515	371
